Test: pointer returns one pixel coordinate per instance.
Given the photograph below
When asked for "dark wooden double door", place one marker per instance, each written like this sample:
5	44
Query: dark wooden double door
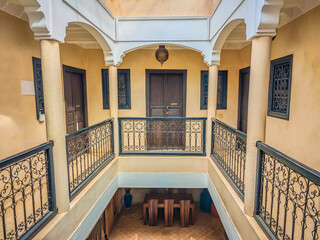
75	98
166	91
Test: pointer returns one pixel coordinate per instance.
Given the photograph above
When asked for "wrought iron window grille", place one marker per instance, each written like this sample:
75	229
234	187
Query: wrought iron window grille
124	91
280	87
221	90
204	90
105	88
38	88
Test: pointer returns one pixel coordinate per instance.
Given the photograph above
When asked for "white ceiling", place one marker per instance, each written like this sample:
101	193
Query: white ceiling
235	41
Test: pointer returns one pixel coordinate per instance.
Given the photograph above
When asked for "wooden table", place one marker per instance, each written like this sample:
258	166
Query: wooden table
161	197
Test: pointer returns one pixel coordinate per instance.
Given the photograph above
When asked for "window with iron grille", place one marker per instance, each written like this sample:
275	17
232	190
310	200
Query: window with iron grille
105	89
38	87
222	90
280	87
204	90
124	100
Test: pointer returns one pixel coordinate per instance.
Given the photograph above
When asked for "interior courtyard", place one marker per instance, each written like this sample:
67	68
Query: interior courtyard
159	120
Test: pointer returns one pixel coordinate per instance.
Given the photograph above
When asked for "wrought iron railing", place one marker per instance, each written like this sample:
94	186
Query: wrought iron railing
27	196
288	196
229	152
88	151
162	136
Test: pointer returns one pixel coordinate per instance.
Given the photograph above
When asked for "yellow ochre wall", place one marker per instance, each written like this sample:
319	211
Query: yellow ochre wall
300	136
140	60
233	61
19	127
156	8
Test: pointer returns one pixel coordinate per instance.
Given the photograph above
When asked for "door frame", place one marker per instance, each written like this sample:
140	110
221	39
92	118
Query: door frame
67	68
241	72
160	71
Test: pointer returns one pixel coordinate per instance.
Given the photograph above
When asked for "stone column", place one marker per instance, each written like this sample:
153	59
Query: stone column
212	104
257	112
113	83
55	119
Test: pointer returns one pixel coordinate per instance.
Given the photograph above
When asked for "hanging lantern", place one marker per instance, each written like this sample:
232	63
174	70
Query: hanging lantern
162	54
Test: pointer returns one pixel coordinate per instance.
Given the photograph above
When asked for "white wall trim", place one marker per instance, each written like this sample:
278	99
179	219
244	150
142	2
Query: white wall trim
106	8
222	211
162	18
162	180
85	227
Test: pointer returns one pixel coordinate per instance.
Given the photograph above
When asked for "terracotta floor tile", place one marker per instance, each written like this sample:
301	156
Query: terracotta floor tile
129	226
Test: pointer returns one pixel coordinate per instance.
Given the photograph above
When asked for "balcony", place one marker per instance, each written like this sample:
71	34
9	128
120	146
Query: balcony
162	136
88	151
229	152
27	198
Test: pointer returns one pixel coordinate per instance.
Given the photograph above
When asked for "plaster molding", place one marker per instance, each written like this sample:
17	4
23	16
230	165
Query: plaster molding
268	18
39	14
108	58
100	18
13	9
215	58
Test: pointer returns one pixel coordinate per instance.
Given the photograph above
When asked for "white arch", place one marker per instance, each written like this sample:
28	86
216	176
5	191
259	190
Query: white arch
105	45
225	32
126	47
95	33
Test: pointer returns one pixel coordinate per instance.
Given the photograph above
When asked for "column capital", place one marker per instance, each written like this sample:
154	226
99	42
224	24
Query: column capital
215	58
109	59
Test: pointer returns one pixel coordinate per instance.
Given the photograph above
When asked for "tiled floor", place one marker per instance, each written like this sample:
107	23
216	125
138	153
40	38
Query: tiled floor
129	226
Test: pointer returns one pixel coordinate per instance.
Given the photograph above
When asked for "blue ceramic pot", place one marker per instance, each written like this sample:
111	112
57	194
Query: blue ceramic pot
127	199
205	201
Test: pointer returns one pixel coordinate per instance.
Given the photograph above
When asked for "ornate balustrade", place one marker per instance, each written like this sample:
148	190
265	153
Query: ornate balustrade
229	152
288	196
27	194
162	136
88	151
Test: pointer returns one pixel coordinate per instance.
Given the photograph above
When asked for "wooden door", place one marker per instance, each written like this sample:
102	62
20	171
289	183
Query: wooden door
165	99
244	81
98	231
75	97
111	212
166	95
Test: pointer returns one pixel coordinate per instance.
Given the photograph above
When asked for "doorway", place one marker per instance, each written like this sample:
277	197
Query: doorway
244	80
75	98
166	98
166	93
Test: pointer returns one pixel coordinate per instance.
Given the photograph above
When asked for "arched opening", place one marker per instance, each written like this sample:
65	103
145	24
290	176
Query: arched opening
85	36
235	26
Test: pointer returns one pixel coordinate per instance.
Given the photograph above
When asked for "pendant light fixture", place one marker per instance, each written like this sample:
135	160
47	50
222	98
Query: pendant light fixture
162	54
